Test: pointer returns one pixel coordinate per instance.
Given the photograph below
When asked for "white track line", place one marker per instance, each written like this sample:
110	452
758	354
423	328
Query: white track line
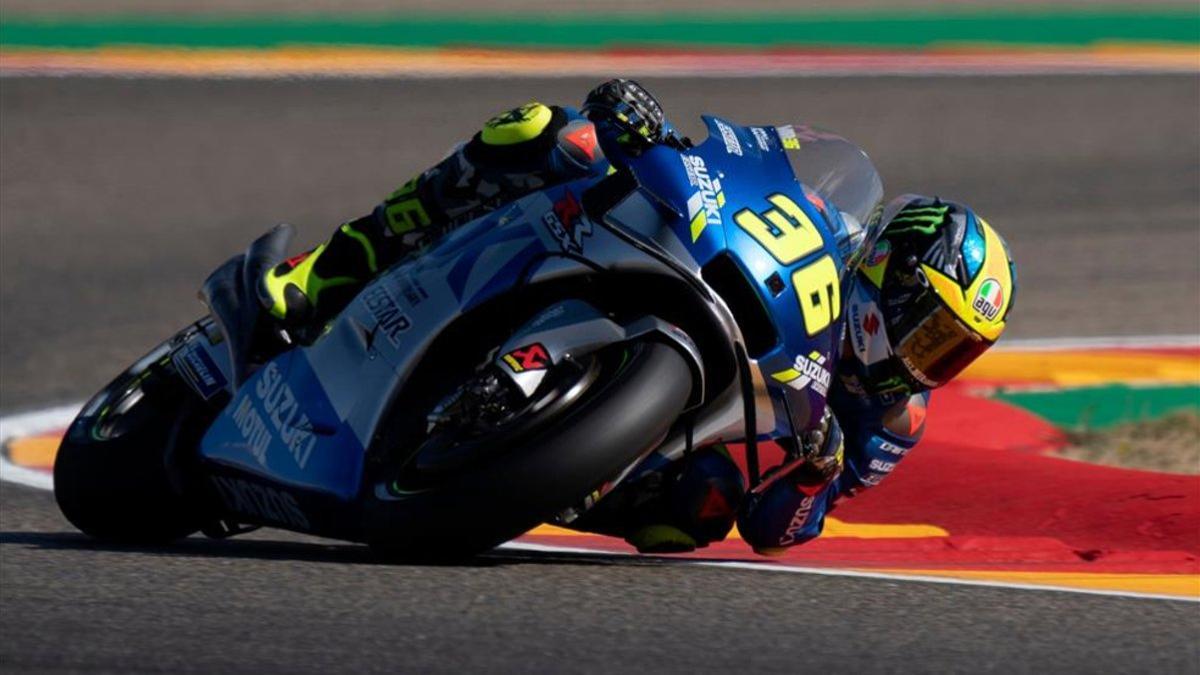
822	571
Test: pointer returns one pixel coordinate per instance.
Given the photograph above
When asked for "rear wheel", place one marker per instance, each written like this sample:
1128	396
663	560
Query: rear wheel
465	491
113	476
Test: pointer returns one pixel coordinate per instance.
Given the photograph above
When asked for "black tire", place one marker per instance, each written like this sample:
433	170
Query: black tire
111	474
627	411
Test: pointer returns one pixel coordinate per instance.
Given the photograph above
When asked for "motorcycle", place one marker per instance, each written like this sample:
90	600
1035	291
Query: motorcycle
514	373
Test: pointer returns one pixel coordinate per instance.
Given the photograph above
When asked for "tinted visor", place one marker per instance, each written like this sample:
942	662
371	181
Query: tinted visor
932	344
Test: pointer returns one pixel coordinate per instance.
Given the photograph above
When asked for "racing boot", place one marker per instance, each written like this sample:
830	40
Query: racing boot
517	152
669	507
326	276
702	502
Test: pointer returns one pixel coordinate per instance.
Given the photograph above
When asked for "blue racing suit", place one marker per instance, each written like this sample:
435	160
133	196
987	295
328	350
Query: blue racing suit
877	426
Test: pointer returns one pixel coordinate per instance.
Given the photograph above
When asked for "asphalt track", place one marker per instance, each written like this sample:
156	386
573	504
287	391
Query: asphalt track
119	195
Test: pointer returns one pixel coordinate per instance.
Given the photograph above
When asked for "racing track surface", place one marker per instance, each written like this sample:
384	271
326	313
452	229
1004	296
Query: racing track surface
119	195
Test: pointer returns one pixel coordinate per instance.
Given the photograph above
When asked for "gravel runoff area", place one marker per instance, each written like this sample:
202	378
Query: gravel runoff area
1171	444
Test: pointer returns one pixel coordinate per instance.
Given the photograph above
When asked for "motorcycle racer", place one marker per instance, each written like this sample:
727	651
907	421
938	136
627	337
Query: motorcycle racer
933	294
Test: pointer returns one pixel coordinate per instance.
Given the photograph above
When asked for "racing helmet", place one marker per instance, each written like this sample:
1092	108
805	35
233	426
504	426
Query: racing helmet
946	282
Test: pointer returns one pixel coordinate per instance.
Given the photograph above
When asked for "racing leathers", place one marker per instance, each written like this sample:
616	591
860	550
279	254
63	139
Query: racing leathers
690	502
876	423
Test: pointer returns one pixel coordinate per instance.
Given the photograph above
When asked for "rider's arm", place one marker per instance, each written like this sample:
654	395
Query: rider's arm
880	441
789	507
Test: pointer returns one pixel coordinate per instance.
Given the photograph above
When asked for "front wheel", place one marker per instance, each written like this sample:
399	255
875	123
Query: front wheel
632	399
113	475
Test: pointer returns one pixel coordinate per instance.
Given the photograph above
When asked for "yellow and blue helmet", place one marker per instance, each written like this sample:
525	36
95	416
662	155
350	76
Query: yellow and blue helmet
946	283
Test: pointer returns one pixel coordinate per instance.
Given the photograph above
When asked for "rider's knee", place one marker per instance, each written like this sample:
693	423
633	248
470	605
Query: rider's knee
706	494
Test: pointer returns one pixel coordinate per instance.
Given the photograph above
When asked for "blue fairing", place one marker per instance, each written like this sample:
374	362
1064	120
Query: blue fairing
745	181
281	425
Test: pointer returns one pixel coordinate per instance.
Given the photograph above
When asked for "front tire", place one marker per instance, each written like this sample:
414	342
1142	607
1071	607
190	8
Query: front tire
112	476
629	410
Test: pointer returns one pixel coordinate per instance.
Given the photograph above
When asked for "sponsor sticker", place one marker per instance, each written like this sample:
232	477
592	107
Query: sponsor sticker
807	371
787	136
200	370
989	299
529	357
798	520
761	138
732	145
260	502
567	223
881	466
892	448
548	316
390	319
278	414
866	335
704	207
871	323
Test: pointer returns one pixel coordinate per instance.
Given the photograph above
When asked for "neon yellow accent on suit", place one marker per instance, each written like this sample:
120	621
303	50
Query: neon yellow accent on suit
961	301
368	248
662	539
517	125
301	276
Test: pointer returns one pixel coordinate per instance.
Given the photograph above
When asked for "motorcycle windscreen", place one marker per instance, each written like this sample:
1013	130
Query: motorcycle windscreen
839	170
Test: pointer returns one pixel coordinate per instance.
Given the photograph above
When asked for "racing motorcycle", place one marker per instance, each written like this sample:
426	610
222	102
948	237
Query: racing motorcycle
514	373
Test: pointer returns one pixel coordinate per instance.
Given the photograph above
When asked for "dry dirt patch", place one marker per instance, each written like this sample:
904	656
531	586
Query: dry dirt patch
1170	443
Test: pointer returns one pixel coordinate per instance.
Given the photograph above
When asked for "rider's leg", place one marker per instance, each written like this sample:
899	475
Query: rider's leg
687	504
517	152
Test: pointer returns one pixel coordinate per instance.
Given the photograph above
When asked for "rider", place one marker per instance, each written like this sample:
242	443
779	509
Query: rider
931	296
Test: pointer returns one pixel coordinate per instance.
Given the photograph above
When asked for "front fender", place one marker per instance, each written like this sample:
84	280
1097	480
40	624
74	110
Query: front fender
574	328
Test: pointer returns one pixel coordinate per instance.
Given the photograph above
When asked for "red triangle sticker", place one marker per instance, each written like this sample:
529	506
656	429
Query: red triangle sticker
584	138
715	505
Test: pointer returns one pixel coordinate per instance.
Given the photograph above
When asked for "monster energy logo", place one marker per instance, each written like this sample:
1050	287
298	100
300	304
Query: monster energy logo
923	219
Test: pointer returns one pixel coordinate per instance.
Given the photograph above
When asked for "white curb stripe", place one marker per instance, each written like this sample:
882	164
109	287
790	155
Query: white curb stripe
828	572
30	424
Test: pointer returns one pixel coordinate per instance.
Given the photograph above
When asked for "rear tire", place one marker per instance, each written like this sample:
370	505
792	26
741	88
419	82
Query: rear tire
626	412
112	477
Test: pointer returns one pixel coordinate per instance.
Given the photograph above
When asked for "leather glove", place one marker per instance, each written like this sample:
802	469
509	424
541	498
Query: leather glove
628	106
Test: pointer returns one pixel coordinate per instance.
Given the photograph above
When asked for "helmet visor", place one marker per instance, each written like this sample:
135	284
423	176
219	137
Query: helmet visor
934	345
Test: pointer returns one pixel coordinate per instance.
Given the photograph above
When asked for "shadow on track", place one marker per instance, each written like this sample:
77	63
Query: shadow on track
340	553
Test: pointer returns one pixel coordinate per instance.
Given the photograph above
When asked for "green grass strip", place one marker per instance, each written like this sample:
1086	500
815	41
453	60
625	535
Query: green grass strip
1107	406
890	30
